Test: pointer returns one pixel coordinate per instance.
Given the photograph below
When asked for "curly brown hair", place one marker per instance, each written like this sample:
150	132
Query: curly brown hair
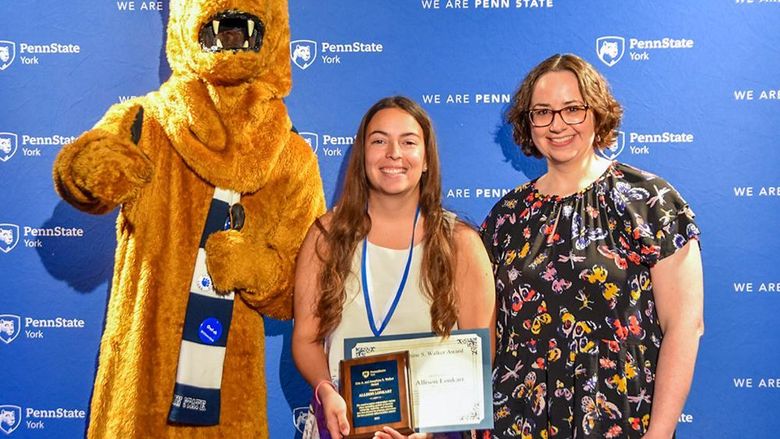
594	88
350	223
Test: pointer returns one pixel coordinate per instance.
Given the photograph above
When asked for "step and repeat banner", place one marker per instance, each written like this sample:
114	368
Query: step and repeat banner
699	80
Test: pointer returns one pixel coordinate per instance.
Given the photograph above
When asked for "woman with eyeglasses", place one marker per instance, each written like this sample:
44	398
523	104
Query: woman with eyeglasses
428	272
598	275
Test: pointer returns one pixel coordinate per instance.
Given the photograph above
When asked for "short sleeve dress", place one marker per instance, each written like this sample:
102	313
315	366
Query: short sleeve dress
577	332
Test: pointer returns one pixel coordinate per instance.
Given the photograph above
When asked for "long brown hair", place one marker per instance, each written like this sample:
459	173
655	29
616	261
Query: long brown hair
350	224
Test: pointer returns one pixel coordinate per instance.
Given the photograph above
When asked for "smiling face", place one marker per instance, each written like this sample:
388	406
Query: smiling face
560	142
394	153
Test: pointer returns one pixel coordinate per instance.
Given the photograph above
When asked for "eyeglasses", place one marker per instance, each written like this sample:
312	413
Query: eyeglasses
571	115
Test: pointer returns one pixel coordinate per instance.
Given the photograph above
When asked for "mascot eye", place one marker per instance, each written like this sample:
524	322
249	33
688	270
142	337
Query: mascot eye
232	30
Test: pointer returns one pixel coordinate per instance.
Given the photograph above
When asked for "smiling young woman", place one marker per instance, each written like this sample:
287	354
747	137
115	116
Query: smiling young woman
429	264
395	154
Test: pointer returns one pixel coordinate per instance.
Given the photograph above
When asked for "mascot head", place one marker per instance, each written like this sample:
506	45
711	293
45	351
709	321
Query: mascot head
229	42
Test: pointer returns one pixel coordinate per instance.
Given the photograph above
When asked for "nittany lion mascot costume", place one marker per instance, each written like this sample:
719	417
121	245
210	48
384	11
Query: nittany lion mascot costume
216	193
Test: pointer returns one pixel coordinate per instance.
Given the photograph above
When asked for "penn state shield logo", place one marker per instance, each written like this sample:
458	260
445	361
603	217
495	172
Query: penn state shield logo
7	54
612	151
300	416
610	49
10	418
10	327
313	139
303	53
8	146
9	237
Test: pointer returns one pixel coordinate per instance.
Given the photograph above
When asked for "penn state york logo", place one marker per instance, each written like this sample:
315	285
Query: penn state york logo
313	139
610	49
300	416
10	327
10	418
7	54
8	145
612	151
303	53
9	237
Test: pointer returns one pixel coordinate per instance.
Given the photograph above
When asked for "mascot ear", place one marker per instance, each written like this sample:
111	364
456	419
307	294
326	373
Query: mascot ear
138	124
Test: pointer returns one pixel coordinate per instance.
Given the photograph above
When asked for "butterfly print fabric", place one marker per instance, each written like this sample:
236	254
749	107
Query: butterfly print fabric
577	332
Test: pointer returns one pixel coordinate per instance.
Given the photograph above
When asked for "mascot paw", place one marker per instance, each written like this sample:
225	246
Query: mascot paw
233	263
111	168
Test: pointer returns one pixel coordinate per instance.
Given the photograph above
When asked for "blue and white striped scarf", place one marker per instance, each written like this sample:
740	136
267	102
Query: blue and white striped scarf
196	396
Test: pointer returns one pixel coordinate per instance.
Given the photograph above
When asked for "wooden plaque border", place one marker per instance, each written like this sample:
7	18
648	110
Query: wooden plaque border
405	425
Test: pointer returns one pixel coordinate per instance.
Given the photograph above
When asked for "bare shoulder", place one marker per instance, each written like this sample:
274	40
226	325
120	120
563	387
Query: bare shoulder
467	240
319	227
324	221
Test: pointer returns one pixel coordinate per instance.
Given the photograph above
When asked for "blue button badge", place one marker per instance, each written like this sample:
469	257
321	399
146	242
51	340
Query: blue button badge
210	330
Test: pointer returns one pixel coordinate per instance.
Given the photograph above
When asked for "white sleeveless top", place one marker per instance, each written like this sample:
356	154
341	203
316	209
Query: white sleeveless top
384	272
385	269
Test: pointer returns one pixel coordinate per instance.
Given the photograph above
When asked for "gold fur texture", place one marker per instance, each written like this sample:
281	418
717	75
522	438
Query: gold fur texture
218	121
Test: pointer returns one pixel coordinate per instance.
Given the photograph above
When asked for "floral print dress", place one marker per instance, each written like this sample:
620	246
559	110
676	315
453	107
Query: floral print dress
577	332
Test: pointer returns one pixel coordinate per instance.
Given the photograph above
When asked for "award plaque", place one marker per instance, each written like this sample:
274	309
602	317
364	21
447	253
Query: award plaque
376	390
450	381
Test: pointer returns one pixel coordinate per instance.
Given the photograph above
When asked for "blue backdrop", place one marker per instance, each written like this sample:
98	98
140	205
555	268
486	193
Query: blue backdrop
699	82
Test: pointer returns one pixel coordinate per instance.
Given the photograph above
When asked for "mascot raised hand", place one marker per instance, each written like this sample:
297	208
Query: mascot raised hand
215	194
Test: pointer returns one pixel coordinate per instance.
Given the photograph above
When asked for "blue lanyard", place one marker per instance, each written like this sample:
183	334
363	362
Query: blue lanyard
366	296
